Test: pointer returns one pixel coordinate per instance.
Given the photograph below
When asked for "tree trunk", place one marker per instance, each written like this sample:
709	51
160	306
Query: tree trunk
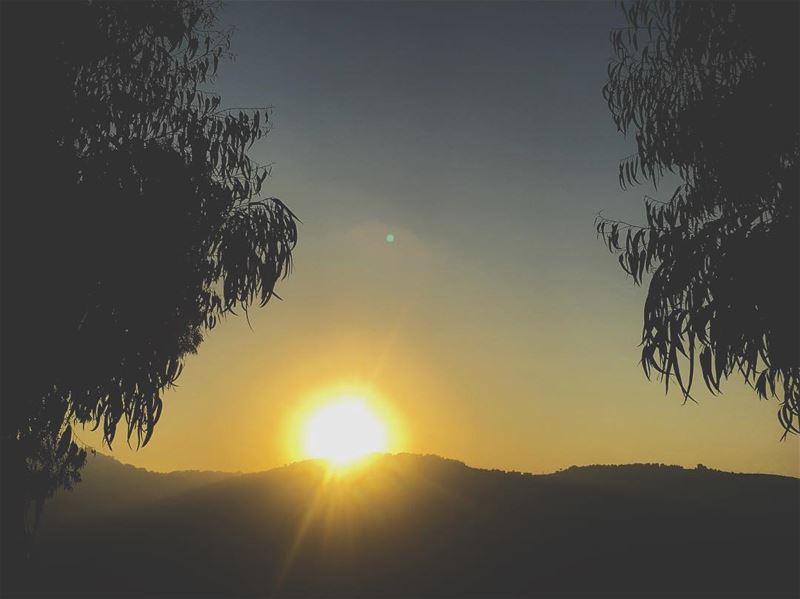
15	549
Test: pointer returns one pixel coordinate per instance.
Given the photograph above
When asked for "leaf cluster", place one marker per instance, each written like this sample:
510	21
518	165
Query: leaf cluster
139	220
710	93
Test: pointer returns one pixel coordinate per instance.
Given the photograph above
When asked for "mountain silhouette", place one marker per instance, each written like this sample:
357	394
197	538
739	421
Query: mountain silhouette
109	487
408	525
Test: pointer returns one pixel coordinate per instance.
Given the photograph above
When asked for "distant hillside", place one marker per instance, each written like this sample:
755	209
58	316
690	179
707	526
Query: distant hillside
108	487
410	526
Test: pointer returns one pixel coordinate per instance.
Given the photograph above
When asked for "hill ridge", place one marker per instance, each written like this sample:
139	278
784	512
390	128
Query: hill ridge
410	525
571	468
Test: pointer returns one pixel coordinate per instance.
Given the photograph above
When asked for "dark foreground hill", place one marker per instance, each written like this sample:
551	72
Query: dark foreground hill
410	526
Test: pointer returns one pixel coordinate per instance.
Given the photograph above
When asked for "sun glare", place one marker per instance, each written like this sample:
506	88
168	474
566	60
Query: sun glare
343	431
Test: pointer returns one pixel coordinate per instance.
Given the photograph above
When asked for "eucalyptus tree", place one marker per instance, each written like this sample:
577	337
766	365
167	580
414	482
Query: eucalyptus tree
709	91
133	222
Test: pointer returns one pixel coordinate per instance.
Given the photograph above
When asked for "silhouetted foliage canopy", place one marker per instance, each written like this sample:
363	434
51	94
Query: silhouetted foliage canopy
133	220
710	92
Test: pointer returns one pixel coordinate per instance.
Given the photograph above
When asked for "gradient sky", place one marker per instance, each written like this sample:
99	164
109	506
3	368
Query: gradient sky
495	328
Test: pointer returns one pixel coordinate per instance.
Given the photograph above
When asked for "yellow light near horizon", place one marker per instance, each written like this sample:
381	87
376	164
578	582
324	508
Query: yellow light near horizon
343	431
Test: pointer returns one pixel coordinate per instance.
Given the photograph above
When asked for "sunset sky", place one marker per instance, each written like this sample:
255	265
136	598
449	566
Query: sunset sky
495	328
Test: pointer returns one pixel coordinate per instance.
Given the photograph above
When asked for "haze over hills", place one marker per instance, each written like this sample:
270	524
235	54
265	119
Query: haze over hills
108	487
409	525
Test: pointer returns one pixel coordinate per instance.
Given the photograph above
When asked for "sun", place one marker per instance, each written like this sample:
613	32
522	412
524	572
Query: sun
344	430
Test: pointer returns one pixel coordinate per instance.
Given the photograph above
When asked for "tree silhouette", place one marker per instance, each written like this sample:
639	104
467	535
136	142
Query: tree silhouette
710	92
132	222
